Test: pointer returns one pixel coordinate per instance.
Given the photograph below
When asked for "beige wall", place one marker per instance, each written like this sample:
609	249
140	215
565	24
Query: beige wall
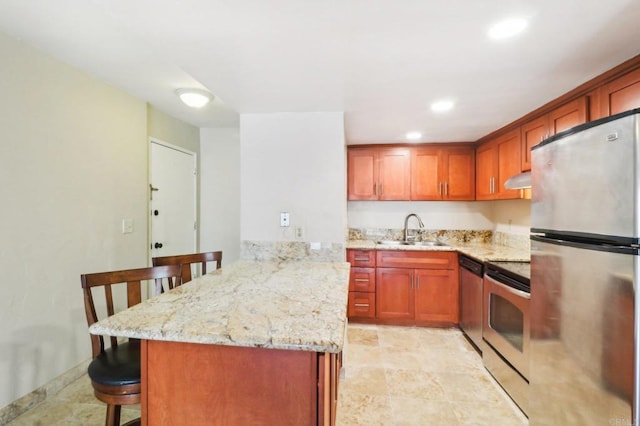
73	164
220	194
293	162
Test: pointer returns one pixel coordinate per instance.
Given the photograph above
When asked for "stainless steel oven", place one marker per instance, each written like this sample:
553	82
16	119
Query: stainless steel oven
505	330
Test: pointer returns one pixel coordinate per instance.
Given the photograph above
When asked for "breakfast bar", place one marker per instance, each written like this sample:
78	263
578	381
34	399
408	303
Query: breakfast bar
255	342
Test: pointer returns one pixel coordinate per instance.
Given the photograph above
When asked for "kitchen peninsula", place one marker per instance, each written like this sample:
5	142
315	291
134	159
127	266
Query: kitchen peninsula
255	342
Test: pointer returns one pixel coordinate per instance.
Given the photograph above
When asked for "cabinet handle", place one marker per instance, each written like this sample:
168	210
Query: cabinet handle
418	282
361	305
362	279
446	189
439	188
375	190
361	259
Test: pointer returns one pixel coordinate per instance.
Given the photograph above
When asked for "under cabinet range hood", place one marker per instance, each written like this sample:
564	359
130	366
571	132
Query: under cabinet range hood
519	181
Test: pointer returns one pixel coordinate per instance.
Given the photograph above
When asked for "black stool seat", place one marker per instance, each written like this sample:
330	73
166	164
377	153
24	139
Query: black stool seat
117	366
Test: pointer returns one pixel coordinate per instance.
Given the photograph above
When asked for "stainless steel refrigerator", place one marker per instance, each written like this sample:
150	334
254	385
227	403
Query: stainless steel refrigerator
585	220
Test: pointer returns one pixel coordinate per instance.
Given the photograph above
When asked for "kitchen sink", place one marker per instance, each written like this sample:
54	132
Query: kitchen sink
426	243
392	243
409	243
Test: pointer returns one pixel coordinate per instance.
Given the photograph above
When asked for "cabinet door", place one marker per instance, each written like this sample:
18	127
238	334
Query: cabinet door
486	163
362	174
509	147
622	94
394	174
532	133
394	293
425	174
458	174
568	115
436	295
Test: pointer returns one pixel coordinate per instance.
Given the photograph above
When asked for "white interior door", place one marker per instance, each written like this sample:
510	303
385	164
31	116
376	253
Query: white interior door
173	200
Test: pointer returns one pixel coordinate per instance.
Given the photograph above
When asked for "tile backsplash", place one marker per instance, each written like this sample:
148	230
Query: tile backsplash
519	241
275	251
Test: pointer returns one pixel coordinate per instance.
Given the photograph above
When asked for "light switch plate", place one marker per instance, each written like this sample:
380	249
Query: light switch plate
127	226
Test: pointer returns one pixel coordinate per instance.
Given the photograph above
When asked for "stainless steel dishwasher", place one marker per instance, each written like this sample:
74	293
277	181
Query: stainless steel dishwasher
471	272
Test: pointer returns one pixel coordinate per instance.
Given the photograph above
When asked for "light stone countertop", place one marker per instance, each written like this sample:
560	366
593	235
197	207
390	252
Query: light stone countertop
480	251
281	305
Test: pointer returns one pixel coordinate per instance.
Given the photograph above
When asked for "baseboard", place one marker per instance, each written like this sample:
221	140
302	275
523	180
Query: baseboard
25	403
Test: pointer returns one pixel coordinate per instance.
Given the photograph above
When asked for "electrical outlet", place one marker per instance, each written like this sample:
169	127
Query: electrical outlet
284	219
299	232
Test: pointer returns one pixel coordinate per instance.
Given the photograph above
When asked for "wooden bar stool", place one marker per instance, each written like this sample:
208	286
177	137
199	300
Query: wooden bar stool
186	260
115	371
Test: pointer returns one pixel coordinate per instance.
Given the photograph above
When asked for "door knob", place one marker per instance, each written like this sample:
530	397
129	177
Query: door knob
158	245
156	212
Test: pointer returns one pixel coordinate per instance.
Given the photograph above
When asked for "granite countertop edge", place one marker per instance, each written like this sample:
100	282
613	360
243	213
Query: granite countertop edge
279	305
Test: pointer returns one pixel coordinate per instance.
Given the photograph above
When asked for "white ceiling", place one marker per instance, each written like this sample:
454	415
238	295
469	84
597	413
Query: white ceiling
382	62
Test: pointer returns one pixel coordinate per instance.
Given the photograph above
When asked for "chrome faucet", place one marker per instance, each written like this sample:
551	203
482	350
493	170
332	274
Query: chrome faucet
406	223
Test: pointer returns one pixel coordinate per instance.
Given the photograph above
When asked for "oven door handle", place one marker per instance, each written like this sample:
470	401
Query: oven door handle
511	290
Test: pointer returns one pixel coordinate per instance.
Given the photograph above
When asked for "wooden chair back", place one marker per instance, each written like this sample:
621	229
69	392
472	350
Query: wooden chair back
186	260
132	278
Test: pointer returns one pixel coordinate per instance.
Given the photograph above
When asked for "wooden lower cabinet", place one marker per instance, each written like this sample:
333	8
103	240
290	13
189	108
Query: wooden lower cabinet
419	295
362	284
197	384
422	288
394	293
410	287
436	295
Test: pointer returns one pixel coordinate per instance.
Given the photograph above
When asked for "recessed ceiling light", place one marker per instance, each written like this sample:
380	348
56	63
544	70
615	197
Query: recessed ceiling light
413	136
442	105
507	28
195	98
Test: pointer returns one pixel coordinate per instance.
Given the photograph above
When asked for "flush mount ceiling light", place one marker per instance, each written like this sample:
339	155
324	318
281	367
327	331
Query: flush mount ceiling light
443	105
413	136
195	98
507	28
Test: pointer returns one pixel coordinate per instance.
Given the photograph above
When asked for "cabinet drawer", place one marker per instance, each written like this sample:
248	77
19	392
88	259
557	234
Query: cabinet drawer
362	279
361	258
417	259
362	305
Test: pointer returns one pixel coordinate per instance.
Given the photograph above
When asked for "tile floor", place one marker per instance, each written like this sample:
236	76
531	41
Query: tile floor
393	376
418	376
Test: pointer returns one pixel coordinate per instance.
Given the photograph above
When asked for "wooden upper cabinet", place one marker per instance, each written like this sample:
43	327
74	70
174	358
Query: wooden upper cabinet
533	133
446	173
567	116
562	118
411	173
362	174
394	174
622	94
425	174
496	161
378	174
459	174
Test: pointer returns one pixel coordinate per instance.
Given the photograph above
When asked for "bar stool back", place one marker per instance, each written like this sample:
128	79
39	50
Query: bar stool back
115	370
186	260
